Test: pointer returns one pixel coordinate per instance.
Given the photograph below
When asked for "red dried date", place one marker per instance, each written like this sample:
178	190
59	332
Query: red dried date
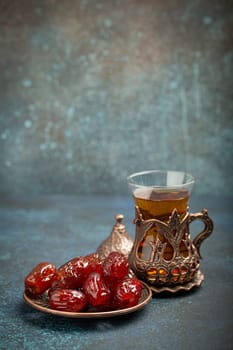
94	264
96	290
73	273
67	300
115	267
86	281
40	278
126	293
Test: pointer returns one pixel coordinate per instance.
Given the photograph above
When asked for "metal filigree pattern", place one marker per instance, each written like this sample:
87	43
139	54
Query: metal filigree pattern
119	240
171	256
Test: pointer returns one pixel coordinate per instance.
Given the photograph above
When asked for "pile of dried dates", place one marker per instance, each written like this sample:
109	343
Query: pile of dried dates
86	283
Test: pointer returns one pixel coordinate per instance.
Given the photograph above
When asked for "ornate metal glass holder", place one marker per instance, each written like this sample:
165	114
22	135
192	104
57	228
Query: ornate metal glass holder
163	253
181	270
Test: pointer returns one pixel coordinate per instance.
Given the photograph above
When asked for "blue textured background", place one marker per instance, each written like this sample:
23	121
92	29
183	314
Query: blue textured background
94	90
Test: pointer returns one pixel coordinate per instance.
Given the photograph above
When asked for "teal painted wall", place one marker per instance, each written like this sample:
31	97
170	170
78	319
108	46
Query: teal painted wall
92	91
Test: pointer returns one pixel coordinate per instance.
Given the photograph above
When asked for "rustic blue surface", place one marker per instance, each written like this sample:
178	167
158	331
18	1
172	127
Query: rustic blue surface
57	228
94	90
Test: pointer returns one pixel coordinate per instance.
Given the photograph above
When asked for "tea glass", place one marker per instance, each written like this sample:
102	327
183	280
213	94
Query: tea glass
163	252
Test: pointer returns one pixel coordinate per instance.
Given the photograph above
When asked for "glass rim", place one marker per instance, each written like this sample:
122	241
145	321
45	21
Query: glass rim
132	182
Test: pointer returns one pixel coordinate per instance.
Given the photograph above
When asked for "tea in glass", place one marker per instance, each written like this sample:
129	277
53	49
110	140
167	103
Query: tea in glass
159	204
163	252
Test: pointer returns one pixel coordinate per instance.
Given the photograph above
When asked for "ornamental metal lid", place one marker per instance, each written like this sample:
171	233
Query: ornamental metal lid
119	240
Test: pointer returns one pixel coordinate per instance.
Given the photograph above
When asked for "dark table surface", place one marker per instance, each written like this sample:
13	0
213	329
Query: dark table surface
58	228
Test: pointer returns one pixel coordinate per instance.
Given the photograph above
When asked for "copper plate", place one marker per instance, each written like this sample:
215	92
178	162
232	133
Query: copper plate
41	303
196	282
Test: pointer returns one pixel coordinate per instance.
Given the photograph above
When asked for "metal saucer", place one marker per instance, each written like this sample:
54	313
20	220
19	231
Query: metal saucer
196	282
41	303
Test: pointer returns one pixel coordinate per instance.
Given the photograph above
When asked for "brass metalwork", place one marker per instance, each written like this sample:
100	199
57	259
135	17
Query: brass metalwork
184	264
195	282
119	240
